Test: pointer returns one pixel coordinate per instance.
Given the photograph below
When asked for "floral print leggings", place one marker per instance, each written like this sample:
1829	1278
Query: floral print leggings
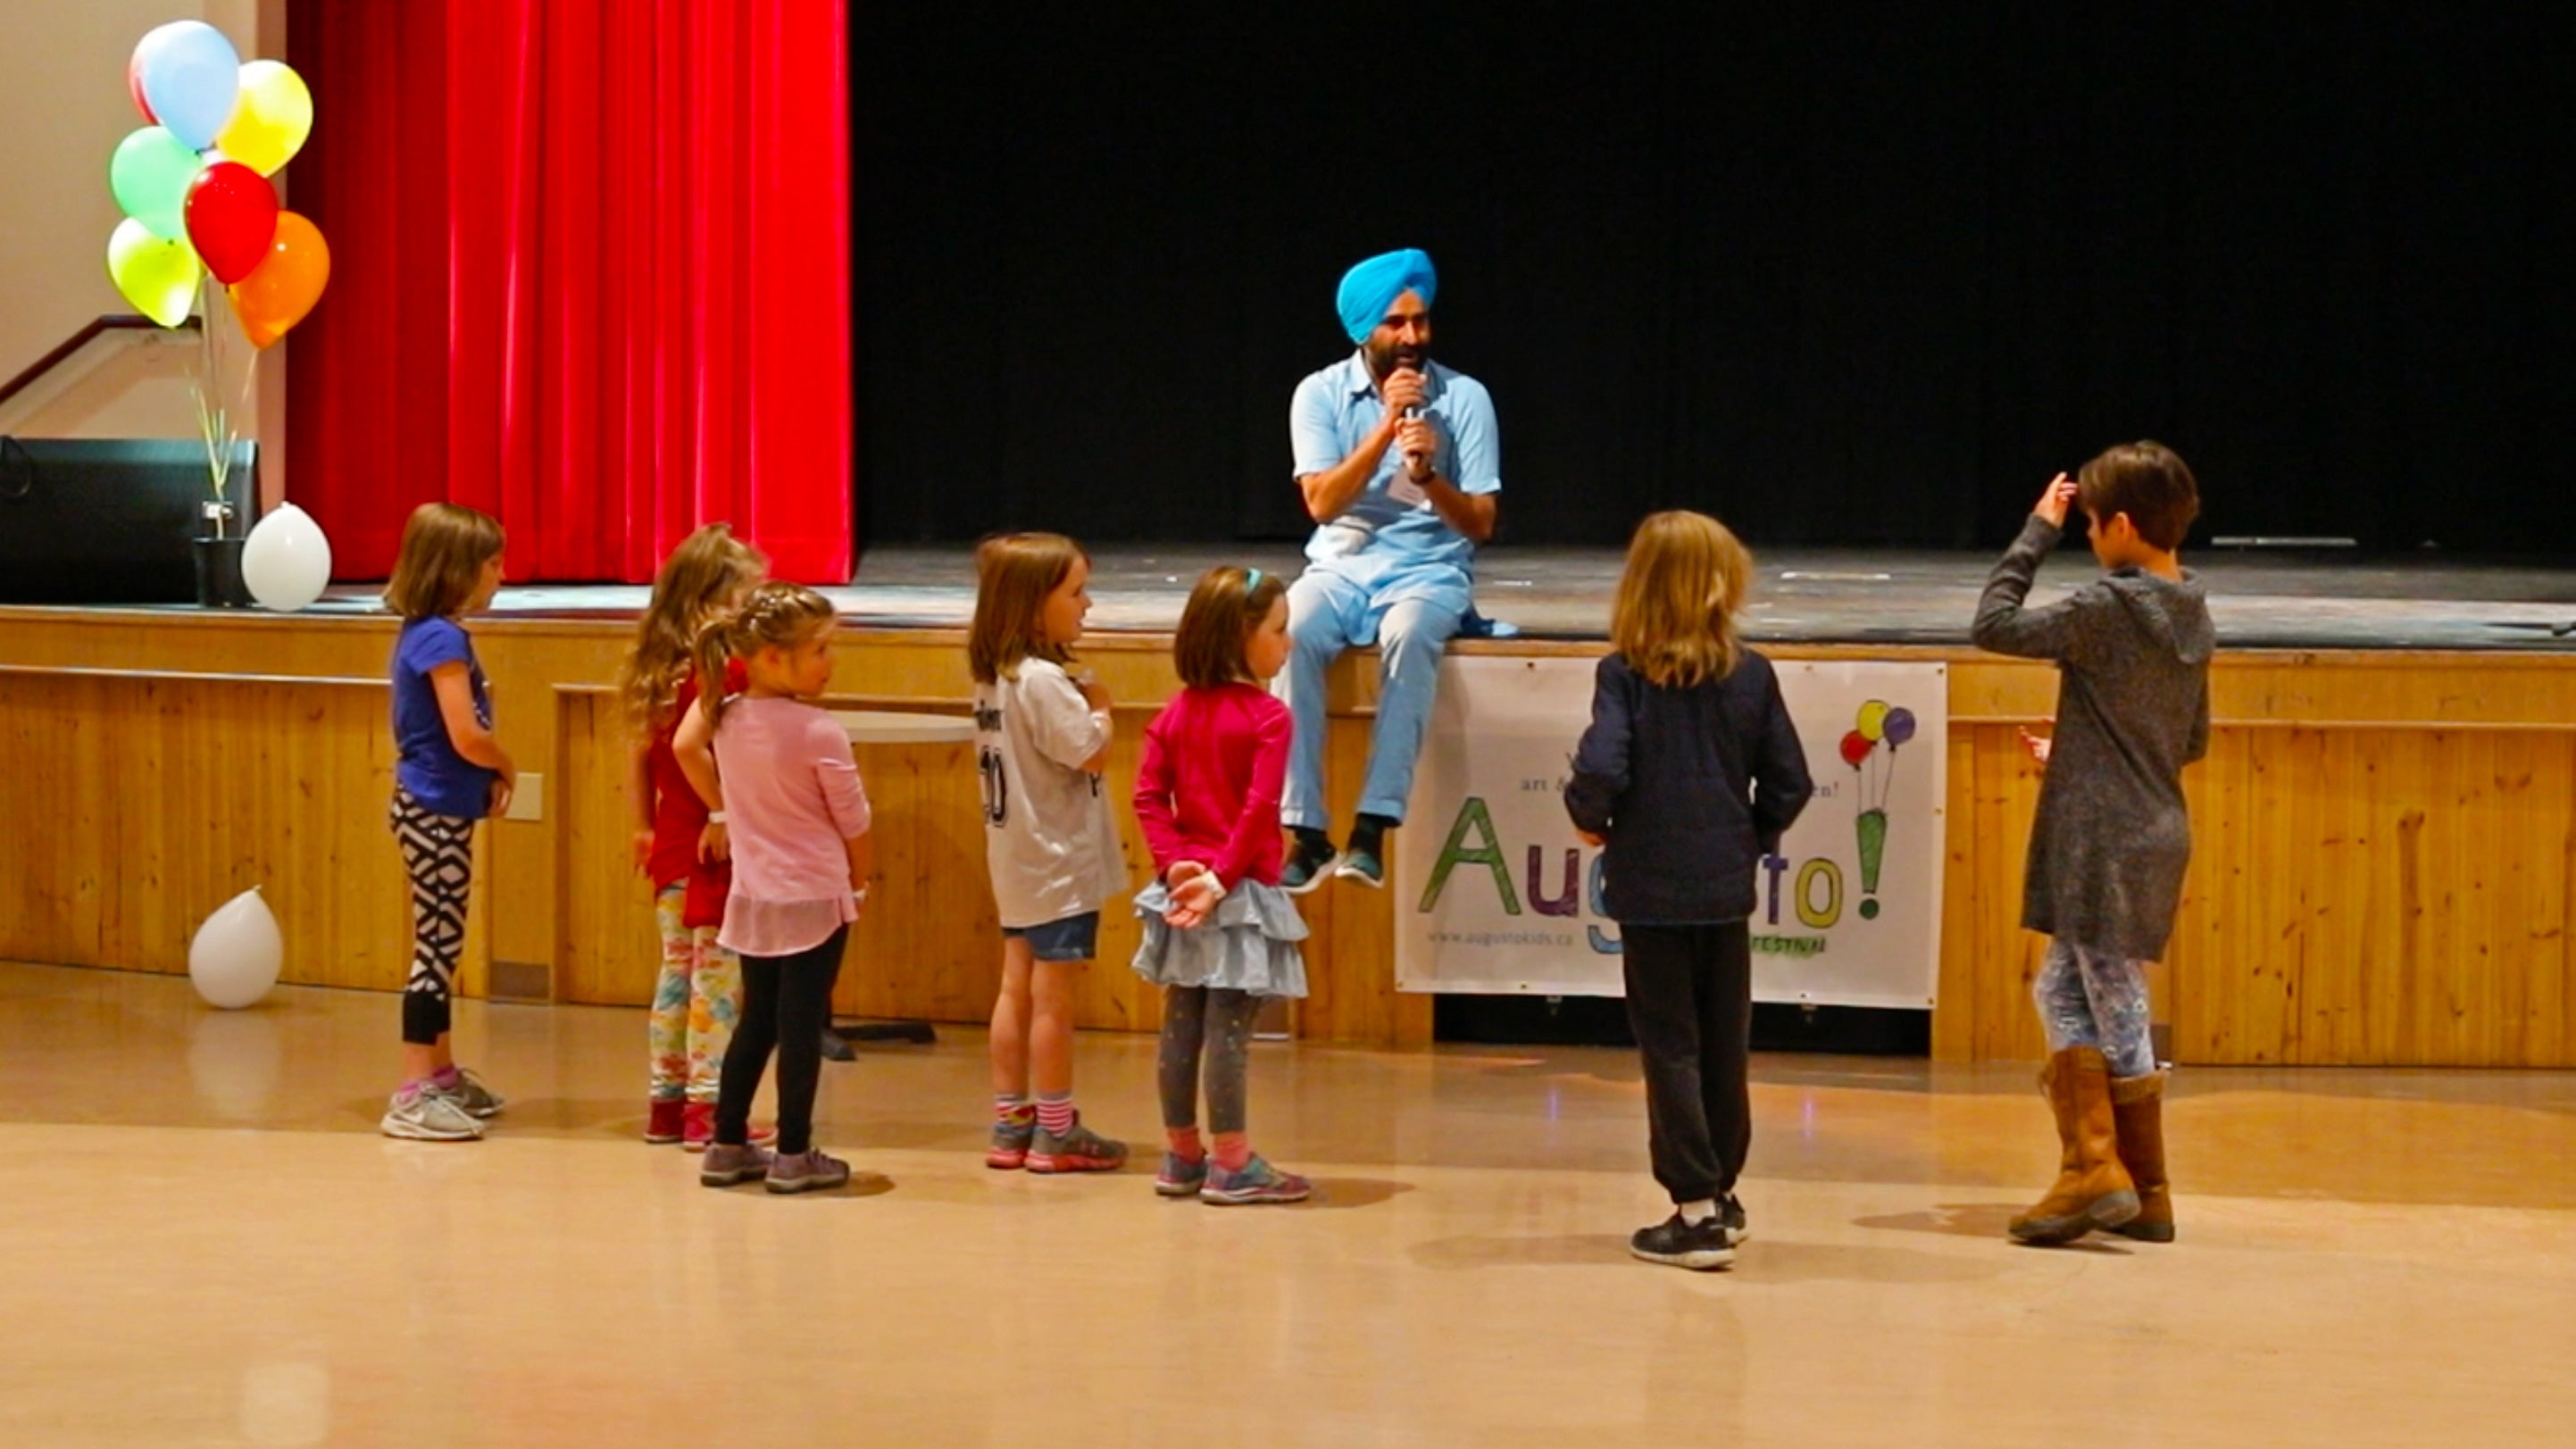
2089	999
695	1004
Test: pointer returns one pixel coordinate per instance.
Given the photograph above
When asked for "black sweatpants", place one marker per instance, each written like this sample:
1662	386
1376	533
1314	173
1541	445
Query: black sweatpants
786	1003
1690	1002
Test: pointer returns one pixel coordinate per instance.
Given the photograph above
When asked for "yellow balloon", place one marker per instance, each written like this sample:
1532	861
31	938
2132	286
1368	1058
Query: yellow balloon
1873	720
157	275
270	120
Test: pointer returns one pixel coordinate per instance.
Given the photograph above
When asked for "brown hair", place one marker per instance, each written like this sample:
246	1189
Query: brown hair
699	579
1217	622
444	549
1678	597
1014	573
776	615
2147	481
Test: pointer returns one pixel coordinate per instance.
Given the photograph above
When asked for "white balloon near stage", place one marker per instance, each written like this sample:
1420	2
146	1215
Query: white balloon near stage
286	562
237	953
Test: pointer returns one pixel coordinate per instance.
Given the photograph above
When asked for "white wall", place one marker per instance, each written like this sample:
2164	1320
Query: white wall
63	108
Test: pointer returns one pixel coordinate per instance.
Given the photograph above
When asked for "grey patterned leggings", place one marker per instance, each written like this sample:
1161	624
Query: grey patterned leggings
1217	1023
2090	999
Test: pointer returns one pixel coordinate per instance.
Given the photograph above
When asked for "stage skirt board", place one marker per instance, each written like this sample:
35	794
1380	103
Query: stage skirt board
2385	839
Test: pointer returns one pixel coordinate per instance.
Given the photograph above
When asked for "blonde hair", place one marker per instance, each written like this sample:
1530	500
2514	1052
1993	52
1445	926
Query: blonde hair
444	549
1014	573
698	580
1217	624
1678	598
776	615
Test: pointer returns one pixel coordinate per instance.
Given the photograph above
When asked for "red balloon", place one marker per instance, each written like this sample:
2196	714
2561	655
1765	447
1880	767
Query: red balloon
232	218
1855	749
134	87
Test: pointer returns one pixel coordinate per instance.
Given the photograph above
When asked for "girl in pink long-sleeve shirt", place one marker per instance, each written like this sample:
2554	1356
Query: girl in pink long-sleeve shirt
796	820
1219	933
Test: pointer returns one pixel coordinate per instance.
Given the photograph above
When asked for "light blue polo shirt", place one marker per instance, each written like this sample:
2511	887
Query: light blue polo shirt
1334	411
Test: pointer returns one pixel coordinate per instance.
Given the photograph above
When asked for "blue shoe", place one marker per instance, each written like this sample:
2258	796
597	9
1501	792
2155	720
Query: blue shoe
1304	870
1363	866
1180	1176
1258	1182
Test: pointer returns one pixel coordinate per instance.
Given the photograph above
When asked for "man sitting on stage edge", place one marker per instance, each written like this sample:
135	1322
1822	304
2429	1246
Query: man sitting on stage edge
1400	464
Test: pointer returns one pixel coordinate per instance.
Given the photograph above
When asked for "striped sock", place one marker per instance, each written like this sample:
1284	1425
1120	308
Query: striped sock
1055	1114
1012	1110
1185	1144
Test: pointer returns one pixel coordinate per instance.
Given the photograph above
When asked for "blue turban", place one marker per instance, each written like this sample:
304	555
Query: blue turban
1371	287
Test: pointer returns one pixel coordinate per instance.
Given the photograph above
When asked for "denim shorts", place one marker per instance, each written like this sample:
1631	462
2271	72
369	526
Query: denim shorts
1075	938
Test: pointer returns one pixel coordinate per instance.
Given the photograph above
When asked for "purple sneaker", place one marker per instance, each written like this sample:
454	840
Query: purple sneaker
811	1171
1181	1176
725	1165
1256	1182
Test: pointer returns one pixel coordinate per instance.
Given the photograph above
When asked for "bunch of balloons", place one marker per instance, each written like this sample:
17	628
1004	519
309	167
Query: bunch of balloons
195	190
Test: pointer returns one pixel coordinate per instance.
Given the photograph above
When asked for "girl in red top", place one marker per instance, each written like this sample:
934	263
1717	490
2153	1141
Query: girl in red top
1219	933
676	846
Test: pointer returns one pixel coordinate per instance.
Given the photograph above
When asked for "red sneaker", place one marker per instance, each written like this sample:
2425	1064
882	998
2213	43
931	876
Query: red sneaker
663	1125
698	1129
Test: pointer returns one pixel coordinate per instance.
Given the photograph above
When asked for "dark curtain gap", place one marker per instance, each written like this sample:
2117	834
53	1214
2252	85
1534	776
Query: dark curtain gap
1840	279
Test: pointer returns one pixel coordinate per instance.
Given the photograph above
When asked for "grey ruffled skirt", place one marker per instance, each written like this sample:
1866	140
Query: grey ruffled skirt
1250	945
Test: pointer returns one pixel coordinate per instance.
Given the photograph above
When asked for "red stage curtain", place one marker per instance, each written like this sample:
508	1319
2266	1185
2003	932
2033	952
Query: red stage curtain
590	274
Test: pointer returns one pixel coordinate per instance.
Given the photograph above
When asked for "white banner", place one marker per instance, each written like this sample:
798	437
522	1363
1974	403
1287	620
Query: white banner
1495	894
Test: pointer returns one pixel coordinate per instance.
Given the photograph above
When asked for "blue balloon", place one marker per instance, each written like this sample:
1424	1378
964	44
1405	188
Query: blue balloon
191	75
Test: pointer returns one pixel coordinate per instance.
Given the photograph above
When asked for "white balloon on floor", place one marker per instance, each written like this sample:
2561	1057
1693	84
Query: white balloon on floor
286	562
237	953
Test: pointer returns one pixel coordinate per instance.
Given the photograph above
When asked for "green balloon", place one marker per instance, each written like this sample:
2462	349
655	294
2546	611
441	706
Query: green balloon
150	177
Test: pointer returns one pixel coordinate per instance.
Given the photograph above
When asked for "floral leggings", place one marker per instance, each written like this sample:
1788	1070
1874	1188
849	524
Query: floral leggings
695	1004
2089	999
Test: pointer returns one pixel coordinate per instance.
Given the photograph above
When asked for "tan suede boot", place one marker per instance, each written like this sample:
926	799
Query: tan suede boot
2138	1110
2092	1189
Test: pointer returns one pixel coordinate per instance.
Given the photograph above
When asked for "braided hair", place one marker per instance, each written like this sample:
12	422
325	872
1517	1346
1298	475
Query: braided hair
775	615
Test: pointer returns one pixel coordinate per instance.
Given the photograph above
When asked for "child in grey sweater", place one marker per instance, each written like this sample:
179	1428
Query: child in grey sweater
2113	836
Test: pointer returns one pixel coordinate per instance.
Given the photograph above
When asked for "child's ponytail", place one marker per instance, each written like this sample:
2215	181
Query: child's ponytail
710	652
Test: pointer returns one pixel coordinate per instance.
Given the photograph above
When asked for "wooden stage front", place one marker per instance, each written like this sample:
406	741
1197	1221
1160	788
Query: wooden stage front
2385	836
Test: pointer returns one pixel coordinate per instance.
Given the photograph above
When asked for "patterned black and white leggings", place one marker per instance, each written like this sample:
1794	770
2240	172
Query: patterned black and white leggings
438	853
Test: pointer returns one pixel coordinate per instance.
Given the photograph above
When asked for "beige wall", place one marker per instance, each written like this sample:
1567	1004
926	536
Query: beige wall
63	108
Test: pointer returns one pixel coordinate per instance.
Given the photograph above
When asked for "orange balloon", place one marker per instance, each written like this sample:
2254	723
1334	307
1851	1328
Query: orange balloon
286	283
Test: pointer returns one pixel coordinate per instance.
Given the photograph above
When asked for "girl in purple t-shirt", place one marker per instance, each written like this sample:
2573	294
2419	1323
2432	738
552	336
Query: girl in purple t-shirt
451	773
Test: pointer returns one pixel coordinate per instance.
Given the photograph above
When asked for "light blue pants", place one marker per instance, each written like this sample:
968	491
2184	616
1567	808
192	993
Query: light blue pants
2089	999
1409	610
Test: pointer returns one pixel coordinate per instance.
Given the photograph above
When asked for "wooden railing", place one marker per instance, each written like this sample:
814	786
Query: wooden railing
89	332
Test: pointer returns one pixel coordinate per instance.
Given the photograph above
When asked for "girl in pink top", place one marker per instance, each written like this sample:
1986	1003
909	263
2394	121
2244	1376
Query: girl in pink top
797	821
1219	933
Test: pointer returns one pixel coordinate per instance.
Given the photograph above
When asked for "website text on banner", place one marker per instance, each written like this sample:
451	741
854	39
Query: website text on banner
1495	894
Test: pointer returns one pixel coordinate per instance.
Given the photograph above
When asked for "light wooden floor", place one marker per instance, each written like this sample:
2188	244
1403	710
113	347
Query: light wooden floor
208	1244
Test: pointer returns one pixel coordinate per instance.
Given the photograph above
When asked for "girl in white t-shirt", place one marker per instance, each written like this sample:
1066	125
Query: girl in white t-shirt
1042	737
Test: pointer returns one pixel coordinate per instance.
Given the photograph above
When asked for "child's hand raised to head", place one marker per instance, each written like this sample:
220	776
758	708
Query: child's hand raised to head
2037	745
2055	500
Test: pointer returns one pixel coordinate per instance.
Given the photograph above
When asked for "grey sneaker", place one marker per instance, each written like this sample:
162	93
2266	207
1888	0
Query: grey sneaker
811	1171
724	1166
474	1098
428	1117
1080	1150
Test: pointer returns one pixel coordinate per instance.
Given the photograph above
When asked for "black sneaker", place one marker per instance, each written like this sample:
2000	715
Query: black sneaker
1308	867
1730	1213
1701	1246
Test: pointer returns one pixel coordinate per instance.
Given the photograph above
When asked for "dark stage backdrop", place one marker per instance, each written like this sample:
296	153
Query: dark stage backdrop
1839	277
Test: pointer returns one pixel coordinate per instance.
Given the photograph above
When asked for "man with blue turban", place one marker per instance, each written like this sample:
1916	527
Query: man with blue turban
1400	464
